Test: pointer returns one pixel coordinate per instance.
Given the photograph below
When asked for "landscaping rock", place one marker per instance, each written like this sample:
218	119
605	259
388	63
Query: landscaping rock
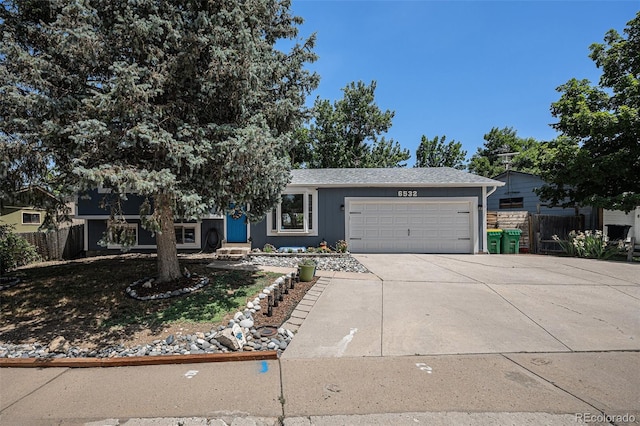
232	338
246	323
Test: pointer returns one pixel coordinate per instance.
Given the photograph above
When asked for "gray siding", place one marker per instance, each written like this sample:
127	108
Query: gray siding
89	204
331	218
524	185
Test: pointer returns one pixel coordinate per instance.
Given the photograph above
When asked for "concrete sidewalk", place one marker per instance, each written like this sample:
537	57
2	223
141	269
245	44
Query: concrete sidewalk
423	339
541	388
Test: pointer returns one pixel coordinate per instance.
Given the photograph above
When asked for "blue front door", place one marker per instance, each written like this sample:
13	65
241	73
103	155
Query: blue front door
236	228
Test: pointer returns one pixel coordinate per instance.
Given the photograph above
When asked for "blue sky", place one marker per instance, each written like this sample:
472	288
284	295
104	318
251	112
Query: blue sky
459	68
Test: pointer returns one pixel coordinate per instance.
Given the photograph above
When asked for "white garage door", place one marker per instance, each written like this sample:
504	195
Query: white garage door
415	226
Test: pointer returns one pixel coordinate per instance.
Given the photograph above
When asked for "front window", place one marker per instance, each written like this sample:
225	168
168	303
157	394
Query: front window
31	218
185	235
123	235
294	214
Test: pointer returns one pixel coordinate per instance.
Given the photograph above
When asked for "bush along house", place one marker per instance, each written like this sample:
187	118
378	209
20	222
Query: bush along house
417	210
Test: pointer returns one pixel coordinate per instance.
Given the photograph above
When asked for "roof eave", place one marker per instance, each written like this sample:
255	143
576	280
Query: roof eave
398	184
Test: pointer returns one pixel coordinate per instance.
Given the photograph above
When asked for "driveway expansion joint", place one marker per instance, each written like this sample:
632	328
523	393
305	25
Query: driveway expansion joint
528	317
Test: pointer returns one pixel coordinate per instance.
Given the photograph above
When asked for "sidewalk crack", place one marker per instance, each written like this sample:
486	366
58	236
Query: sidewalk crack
544	379
281	398
34	391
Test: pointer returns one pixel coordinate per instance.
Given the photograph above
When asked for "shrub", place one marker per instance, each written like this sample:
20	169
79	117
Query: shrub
341	246
589	244
268	248
15	251
307	262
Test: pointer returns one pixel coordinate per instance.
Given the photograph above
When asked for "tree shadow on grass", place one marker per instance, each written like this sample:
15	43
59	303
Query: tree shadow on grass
85	301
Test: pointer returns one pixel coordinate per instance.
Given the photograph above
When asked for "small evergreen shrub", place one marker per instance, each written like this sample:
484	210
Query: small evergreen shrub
268	248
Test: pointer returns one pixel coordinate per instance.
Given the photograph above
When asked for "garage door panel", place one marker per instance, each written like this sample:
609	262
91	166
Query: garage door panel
400	218
386	220
371	221
418	227
356	234
416	220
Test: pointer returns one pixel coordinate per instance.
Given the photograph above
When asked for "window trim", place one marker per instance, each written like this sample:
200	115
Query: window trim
307	230
196	227
31	214
106	190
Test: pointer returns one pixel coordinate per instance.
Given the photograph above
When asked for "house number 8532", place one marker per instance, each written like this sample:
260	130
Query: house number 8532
407	193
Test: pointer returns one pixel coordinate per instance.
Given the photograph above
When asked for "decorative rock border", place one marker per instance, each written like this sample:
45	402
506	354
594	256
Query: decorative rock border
8	282
131	290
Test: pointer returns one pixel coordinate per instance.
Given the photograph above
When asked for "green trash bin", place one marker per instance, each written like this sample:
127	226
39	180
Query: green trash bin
493	240
511	241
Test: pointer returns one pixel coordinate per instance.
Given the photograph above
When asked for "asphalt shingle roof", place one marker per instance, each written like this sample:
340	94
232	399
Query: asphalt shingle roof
430	176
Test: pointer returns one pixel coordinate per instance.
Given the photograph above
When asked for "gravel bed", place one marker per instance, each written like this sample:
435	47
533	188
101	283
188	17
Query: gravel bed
343	263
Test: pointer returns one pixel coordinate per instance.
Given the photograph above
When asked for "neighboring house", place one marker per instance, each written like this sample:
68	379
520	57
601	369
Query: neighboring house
622	221
25	211
518	194
417	210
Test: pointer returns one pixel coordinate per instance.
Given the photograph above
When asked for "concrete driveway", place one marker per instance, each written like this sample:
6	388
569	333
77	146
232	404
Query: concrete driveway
482	304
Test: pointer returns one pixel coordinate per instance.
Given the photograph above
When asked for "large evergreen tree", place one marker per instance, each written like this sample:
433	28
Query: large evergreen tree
348	133
598	161
187	103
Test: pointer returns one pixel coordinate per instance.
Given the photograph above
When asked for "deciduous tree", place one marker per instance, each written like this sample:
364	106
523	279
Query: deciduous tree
348	133
598	162
488	162
436	153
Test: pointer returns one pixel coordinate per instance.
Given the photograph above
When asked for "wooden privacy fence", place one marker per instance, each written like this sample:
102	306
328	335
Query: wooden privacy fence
65	243
512	220
544	227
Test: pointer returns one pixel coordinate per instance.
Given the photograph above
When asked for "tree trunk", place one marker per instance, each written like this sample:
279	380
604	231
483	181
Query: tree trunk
168	265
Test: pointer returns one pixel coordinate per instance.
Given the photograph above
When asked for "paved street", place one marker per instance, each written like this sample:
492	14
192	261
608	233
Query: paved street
426	339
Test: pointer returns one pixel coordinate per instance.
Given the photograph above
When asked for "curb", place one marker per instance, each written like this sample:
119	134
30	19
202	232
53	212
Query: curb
135	361
299	314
